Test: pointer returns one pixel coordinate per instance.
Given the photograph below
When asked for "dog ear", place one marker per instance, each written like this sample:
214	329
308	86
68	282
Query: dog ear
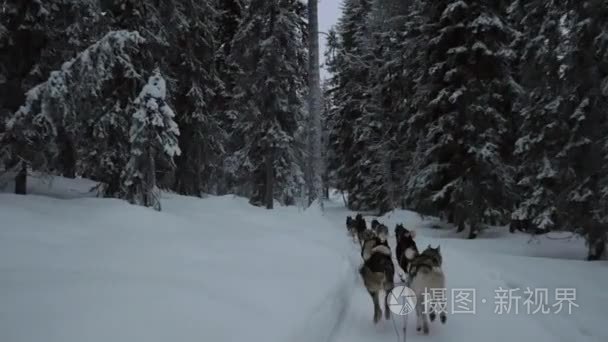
429	247
438	247
412	234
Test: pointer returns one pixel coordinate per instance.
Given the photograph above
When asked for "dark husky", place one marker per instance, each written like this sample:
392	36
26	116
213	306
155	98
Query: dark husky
370	241
380	229
375	224
406	249
426	274
378	272
360	227
351	226
399	230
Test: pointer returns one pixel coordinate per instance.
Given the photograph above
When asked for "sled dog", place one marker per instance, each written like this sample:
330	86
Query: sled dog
351	226
360	227
406	249
427	280
377	272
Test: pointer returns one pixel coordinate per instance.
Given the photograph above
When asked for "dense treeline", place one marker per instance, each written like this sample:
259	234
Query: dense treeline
191	96
479	112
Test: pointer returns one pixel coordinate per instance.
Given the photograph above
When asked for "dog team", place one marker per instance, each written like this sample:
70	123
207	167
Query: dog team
423	269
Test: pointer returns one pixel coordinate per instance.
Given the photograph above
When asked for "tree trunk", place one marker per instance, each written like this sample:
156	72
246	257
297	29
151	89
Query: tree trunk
314	99
198	187
150	195
472	231
597	237
21	180
269	179
596	250
459	219
68	154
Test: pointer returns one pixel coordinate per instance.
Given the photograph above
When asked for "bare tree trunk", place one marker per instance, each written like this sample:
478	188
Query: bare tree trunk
68	154
198	171
269	179
314	100
150	191
21	180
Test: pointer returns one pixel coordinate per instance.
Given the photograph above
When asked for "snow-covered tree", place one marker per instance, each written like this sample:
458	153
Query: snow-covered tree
153	136
542	45
352	118
462	125
585	152
71	101
37	37
560	146
270	50
314	105
188	41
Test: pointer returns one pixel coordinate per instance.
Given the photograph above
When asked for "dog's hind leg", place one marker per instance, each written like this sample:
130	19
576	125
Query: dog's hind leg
377	310
418	315
387	311
421	322
387	291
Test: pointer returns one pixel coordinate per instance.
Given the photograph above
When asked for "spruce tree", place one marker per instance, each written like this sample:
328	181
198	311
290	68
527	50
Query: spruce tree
351	65
541	129
270	51
462	123
73	100
153	136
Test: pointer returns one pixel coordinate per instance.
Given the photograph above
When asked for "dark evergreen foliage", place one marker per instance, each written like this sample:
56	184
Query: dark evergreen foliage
481	113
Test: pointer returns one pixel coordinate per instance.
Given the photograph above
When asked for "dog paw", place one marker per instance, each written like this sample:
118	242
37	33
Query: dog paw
418	328
377	318
432	316
425	330
443	318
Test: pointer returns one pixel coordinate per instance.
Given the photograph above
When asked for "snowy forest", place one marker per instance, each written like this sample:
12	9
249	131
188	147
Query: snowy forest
478	112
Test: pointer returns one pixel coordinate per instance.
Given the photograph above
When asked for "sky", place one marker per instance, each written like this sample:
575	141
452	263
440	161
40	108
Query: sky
329	12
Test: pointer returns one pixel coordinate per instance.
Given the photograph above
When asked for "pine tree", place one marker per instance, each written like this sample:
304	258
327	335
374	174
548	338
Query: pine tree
392	55
153	136
37	37
560	147
186	41
199	86
585	150
462	124
542	45
351	65
73	100
231	16
314	105
270	50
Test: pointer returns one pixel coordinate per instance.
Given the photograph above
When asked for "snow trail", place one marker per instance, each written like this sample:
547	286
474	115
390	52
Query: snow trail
476	265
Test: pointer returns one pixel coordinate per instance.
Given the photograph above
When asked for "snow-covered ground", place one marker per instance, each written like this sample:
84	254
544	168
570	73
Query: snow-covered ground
498	268
76	268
